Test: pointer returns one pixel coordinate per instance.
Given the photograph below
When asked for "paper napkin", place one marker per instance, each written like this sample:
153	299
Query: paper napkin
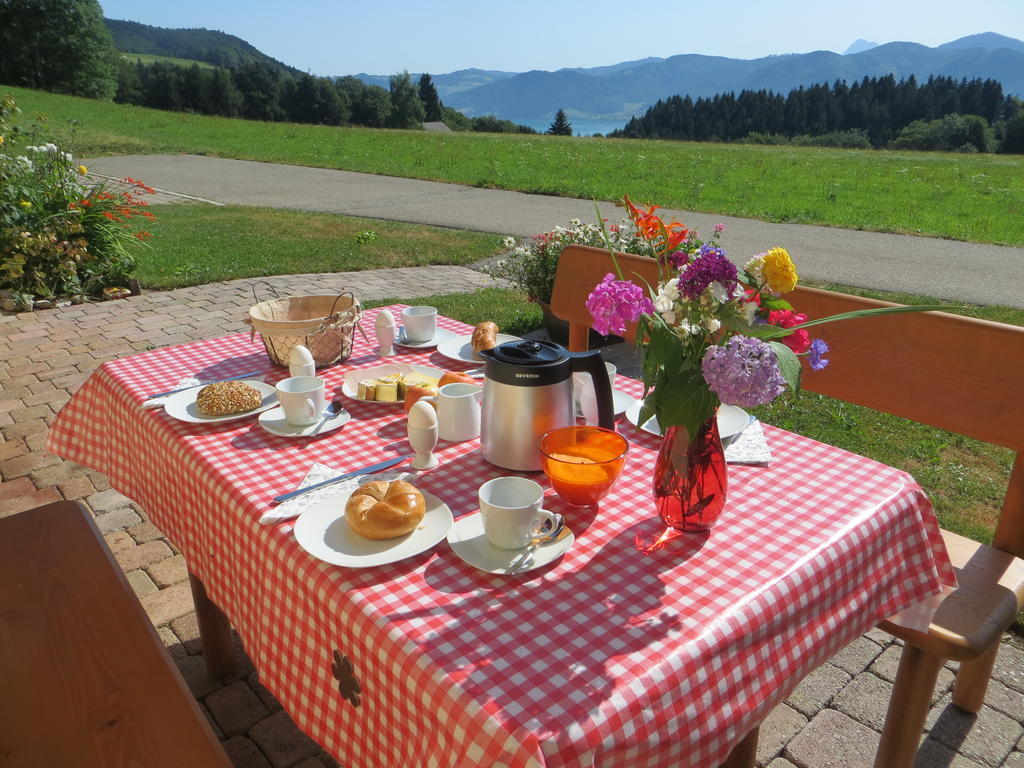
749	446
317	474
159	402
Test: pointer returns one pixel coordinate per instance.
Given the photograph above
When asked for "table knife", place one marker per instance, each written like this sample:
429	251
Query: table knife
250	375
354	473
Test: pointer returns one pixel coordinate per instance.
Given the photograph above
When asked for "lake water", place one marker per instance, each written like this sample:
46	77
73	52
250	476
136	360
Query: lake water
580	127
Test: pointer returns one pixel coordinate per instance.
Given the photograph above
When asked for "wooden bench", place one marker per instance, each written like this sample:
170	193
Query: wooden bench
84	679
955	373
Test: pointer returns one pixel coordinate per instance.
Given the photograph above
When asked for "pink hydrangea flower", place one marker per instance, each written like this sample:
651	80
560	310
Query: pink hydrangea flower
615	303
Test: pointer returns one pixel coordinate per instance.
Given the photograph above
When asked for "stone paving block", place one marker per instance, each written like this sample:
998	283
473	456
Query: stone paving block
886	664
144	532
1009	667
932	754
857	656
987	737
119	541
281	740
865	699
77	488
141	584
265	696
243	753
116	520
213	723
236	708
1015	760
12	449
168	571
168	604
22	465
781	762
186	628
818	689
25	428
108	500
193	670
1005	700
142	555
14	500
174	648
833	740
781	725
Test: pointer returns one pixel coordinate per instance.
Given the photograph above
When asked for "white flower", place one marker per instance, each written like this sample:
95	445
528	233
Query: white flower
747	311
575	222
755	267
668	316
509	242
712	324
662	303
718	291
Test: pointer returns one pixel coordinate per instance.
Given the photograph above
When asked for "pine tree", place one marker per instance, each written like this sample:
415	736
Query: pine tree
432	106
561	126
406	107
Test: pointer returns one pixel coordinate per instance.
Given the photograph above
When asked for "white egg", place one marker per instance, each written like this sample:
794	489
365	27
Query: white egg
422	415
385	319
300	362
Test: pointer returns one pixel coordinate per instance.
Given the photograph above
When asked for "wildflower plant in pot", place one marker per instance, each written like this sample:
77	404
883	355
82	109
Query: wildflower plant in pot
712	333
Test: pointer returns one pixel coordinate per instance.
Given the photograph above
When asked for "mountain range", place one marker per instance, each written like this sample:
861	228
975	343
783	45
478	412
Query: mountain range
619	91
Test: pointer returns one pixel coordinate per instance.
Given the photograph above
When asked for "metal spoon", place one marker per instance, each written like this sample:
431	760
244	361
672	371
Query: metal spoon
523	560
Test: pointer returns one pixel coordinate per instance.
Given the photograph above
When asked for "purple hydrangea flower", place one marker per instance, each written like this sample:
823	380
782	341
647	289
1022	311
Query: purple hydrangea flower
679	259
743	372
816	354
709	266
614	303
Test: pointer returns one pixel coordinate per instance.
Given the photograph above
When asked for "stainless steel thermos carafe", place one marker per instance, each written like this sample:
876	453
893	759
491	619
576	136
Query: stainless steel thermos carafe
527	392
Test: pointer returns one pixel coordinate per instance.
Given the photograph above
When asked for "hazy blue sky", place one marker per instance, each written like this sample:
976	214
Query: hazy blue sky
381	37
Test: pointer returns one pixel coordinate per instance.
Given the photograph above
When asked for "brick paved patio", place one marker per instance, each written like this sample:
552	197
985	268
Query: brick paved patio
831	720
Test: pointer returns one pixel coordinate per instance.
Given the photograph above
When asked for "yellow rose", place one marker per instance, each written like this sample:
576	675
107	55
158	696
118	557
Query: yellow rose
83	170
779	271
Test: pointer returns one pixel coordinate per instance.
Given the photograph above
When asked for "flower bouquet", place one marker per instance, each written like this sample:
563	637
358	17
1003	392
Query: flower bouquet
712	333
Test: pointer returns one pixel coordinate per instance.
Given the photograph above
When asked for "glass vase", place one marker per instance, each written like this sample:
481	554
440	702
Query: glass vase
690	477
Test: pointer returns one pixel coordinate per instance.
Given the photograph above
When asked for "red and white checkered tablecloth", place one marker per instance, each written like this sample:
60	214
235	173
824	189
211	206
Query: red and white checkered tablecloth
610	657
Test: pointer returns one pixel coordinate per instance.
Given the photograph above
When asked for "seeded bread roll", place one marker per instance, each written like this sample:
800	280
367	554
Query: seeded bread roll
224	398
385	510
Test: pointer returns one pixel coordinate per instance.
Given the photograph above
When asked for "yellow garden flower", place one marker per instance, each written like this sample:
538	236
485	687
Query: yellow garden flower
83	170
779	271
24	203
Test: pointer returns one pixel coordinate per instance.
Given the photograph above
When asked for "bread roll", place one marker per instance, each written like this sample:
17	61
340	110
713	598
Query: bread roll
385	510
485	336
224	398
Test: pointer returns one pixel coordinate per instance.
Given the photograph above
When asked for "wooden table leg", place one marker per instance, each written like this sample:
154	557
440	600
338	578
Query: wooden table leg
215	632
743	754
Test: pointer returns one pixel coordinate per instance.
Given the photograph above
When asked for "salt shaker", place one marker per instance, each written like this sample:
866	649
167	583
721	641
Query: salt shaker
422	427
300	362
385	330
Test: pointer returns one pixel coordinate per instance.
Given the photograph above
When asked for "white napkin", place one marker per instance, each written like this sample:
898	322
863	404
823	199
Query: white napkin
749	446
159	402
318	473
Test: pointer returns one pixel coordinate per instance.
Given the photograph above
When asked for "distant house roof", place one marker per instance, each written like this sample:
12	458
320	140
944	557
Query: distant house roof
436	127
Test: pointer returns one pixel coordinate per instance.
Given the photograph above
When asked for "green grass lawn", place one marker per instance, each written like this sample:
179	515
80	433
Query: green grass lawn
196	244
152	58
960	196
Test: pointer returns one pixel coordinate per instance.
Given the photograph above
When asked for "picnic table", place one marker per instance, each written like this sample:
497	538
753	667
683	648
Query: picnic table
609	656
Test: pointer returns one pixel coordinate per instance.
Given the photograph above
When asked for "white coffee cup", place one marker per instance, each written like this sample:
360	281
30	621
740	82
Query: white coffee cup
458	411
303	399
586	396
420	323
510	508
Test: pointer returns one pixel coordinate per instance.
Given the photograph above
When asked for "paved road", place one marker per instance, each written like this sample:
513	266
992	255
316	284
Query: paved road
982	274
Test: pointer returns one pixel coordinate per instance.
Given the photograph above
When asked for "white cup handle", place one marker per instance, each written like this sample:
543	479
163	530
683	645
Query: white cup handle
545	523
310	407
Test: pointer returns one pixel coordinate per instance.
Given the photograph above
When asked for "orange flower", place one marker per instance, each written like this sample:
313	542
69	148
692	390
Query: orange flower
664	237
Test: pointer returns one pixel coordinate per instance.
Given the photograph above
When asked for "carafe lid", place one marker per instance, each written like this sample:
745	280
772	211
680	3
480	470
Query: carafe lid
527	363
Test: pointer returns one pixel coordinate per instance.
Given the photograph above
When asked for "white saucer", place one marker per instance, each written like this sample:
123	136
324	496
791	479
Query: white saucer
182	405
468	541
440	335
621	402
274	422
323	532
461	348
731	420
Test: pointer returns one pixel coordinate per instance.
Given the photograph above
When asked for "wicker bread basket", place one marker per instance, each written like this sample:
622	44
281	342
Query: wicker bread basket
323	324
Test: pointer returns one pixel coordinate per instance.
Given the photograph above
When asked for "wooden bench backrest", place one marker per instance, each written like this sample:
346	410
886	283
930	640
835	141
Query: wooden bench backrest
955	373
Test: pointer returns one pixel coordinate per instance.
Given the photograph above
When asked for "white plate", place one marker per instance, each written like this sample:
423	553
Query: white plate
323	532
274	422
731	420
440	334
182	405
350	384
461	347
468	541
621	402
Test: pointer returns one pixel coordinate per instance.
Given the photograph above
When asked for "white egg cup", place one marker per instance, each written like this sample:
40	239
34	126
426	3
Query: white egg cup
384	327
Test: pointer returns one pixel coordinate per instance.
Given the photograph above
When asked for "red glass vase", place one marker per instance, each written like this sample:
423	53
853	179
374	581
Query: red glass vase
690	477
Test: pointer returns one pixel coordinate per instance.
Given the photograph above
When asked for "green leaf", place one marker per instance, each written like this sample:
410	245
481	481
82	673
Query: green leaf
789	364
774	302
684	399
873	312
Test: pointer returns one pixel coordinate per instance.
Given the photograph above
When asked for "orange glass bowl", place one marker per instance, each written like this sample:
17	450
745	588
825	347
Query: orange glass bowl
582	462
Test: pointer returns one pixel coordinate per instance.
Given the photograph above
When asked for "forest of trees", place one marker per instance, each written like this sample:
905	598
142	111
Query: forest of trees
874	112
258	92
